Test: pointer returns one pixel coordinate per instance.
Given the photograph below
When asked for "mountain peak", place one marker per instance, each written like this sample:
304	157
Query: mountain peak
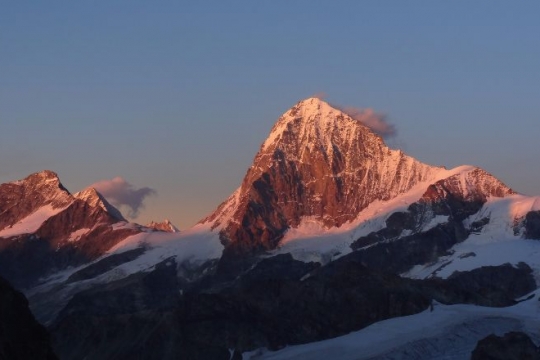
21	198
315	121
165	225
93	198
41	177
318	163
314	105
46	174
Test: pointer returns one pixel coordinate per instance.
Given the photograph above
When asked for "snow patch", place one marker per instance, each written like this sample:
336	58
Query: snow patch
32	222
196	245
76	235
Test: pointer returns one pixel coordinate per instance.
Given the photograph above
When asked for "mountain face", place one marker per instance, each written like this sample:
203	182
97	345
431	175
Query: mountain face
22	198
330	232
317	163
44	229
320	164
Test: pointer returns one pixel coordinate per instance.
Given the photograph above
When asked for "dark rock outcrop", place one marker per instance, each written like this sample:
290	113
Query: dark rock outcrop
402	253
510	346
280	301
532	225
136	317
494	286
21	337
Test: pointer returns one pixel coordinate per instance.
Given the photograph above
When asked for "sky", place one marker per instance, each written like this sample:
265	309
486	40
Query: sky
169	101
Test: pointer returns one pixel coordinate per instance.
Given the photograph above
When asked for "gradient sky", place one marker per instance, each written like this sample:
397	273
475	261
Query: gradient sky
178	96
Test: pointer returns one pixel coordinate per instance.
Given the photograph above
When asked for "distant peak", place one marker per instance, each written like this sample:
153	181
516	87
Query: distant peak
93	198
37	190
87	193
44	175
48	174
44	179
165	225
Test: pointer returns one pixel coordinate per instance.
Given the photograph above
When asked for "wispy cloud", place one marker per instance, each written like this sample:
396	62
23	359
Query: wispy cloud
320	95
119	192
375	121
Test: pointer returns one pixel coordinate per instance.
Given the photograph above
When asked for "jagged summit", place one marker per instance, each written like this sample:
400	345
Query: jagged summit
53	228
38	190
44	174
317	162
94	198
165	225
42	178
315	120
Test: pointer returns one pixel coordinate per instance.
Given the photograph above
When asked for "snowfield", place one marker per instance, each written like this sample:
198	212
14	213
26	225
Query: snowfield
32	222
448	332
500	241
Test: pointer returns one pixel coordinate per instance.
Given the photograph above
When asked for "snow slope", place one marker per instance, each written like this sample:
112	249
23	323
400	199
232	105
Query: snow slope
447	332
32	222
499	242
194	246
312	241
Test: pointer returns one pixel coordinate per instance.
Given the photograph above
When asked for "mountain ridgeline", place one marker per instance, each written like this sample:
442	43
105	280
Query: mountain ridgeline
320	163
44	228
329	232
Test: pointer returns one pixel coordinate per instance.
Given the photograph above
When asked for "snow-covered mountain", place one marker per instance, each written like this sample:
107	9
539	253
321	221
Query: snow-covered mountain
318	163
327	214
44	229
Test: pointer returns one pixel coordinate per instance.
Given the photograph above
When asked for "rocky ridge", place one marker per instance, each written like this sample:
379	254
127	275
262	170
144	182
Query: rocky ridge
45	229
21	336
165	225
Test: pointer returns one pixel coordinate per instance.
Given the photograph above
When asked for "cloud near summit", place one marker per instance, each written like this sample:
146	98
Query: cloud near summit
119	192
375	121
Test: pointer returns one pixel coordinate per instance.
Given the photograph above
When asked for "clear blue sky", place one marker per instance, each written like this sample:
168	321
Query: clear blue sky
178	95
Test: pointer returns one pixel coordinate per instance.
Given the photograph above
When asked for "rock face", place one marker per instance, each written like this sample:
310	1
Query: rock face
279	302
165	225
21	198
21	337
44	229
462	195
320	163
93	198
511	346
269	306
532	225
